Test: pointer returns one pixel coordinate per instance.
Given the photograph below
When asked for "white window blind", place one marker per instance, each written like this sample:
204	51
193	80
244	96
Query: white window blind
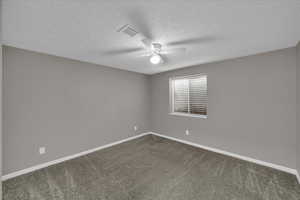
189	95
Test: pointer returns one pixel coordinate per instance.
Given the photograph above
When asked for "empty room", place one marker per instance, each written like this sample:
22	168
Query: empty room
150	100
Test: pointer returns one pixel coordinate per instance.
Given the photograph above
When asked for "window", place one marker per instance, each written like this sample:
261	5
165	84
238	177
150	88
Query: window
188	96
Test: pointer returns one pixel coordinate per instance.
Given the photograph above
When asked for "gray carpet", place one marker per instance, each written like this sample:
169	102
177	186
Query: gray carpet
153	168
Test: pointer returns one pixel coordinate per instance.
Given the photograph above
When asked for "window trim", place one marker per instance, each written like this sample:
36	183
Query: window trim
171	96
188	115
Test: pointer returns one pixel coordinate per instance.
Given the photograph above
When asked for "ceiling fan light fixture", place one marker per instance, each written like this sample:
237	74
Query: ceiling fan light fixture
155	59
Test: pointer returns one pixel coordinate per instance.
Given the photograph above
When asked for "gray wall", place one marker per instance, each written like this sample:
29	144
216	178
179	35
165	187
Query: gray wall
298	108
1	70
66	106
251	109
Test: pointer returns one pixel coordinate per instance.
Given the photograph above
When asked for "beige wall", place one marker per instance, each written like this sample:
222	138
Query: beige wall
251	109
66	106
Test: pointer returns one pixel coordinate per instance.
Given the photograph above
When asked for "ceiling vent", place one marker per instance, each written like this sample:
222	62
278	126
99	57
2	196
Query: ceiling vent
128	30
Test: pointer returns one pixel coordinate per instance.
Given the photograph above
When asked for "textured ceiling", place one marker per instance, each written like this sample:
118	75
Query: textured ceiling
211	30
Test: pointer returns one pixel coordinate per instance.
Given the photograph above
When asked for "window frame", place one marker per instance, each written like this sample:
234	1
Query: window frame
171	96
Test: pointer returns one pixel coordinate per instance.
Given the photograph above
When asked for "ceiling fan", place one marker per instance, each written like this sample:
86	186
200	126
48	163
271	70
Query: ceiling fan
154	50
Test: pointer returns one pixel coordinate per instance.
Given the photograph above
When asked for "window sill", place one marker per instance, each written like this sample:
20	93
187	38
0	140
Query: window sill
188	115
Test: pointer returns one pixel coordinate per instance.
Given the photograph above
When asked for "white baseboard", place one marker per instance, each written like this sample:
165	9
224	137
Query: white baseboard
259	162
298	177
40	166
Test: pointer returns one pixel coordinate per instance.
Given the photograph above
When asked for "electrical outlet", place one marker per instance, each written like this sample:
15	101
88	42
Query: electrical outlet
187	132
42	150
135	128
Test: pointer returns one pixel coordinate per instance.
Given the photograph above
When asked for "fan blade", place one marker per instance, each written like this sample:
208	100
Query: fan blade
172	50
146	42
193	41
122	51
140	21
138	18
146	54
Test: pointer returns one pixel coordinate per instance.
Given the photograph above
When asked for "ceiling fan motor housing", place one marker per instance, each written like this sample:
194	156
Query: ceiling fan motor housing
156	47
